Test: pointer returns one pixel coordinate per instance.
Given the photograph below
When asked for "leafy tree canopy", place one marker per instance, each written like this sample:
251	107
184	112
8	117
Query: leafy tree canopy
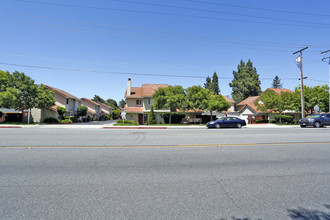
317	95
20	92
98	99
112	103
246	81
82	110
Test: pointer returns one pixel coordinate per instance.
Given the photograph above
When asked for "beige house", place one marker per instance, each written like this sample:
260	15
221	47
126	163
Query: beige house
139	101
62	99
94	108
105	109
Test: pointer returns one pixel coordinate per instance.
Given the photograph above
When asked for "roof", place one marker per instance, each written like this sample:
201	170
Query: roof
107	106
89	100
61	92
147	90
133	109
250	103
279	91
91	111
249	100
229	100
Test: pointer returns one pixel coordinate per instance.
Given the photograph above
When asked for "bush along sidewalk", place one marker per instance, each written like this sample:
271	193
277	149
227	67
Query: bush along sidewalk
126	122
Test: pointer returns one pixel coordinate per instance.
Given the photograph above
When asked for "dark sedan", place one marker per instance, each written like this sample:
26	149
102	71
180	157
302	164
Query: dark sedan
226	122
316	120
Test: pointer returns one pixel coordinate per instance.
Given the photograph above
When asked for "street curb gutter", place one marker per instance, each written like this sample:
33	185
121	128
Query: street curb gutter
10	127
134	127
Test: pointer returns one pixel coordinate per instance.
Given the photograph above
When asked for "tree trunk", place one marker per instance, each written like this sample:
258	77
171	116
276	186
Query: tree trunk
280	118
170	118
211	116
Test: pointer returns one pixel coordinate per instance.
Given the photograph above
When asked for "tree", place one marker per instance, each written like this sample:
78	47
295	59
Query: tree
98	99
152	116
171	97
61	111
112	103
20	92
217	103
317	95
215	84
116	113
269	100
208	84
277	83
122	103
246	81
196	98
82	111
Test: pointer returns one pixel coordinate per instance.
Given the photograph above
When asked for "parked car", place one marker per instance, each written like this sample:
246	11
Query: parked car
226	122
316	120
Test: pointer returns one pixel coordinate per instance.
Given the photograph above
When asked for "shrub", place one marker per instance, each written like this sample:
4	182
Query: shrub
130	122
272	121
152	116
61	111
51	121
66	121
82	111
176	117
262	121
285	119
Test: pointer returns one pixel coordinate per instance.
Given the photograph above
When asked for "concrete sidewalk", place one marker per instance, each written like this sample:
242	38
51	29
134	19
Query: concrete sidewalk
111	126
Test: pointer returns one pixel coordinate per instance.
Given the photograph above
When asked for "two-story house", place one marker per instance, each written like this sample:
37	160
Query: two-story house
139	101
94	108
105	109
62	99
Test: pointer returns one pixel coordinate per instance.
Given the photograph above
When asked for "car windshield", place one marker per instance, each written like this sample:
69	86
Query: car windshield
313	116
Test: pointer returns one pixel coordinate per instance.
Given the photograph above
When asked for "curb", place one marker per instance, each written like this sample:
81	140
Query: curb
134	127
10	127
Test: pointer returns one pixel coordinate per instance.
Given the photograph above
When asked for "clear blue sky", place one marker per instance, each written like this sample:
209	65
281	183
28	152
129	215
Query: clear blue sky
95	45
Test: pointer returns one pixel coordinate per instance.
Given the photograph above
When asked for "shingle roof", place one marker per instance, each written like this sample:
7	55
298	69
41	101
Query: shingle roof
89	100
104	105
147	90
279	91
229	100
133	109
61	92
249	102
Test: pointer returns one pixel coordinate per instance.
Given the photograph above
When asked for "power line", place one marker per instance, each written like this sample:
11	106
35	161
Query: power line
130	73
262	43
260	9
173	14
132	35
218	12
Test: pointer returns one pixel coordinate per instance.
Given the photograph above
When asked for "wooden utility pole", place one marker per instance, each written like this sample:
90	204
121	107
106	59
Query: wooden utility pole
299	60
327	59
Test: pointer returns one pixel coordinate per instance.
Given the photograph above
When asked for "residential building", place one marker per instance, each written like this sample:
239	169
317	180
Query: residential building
62	99
105	110
249	111
139	101
94	108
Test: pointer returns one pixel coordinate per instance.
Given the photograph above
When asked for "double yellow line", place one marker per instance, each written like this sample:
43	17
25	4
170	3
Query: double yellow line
173	146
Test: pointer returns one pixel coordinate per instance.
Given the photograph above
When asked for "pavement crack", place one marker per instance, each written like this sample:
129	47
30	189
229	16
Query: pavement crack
222	186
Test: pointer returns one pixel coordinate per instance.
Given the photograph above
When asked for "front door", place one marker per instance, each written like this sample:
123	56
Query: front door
140	119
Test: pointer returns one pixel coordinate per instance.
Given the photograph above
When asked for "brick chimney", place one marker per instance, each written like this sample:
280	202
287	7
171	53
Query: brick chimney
129	85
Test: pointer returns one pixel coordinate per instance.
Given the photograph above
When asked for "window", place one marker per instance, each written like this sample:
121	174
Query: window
67	101
138	102
149	101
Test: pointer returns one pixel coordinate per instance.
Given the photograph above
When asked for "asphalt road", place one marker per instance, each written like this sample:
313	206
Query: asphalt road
165	174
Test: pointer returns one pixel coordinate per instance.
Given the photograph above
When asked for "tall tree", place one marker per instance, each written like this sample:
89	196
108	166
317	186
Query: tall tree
277	83
196	98
317	95
112	103
246	81
215	84
152	116
208	84
122	103
98	99
171	97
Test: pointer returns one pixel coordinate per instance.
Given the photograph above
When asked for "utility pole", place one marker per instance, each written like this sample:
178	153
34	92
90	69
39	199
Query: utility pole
299	61
324	59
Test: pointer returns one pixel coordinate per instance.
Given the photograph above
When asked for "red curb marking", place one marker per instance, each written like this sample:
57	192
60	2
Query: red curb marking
10	127
135	127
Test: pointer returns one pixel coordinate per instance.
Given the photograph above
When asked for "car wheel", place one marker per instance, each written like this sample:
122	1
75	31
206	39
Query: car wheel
303	126
217	125
239	125
317	124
